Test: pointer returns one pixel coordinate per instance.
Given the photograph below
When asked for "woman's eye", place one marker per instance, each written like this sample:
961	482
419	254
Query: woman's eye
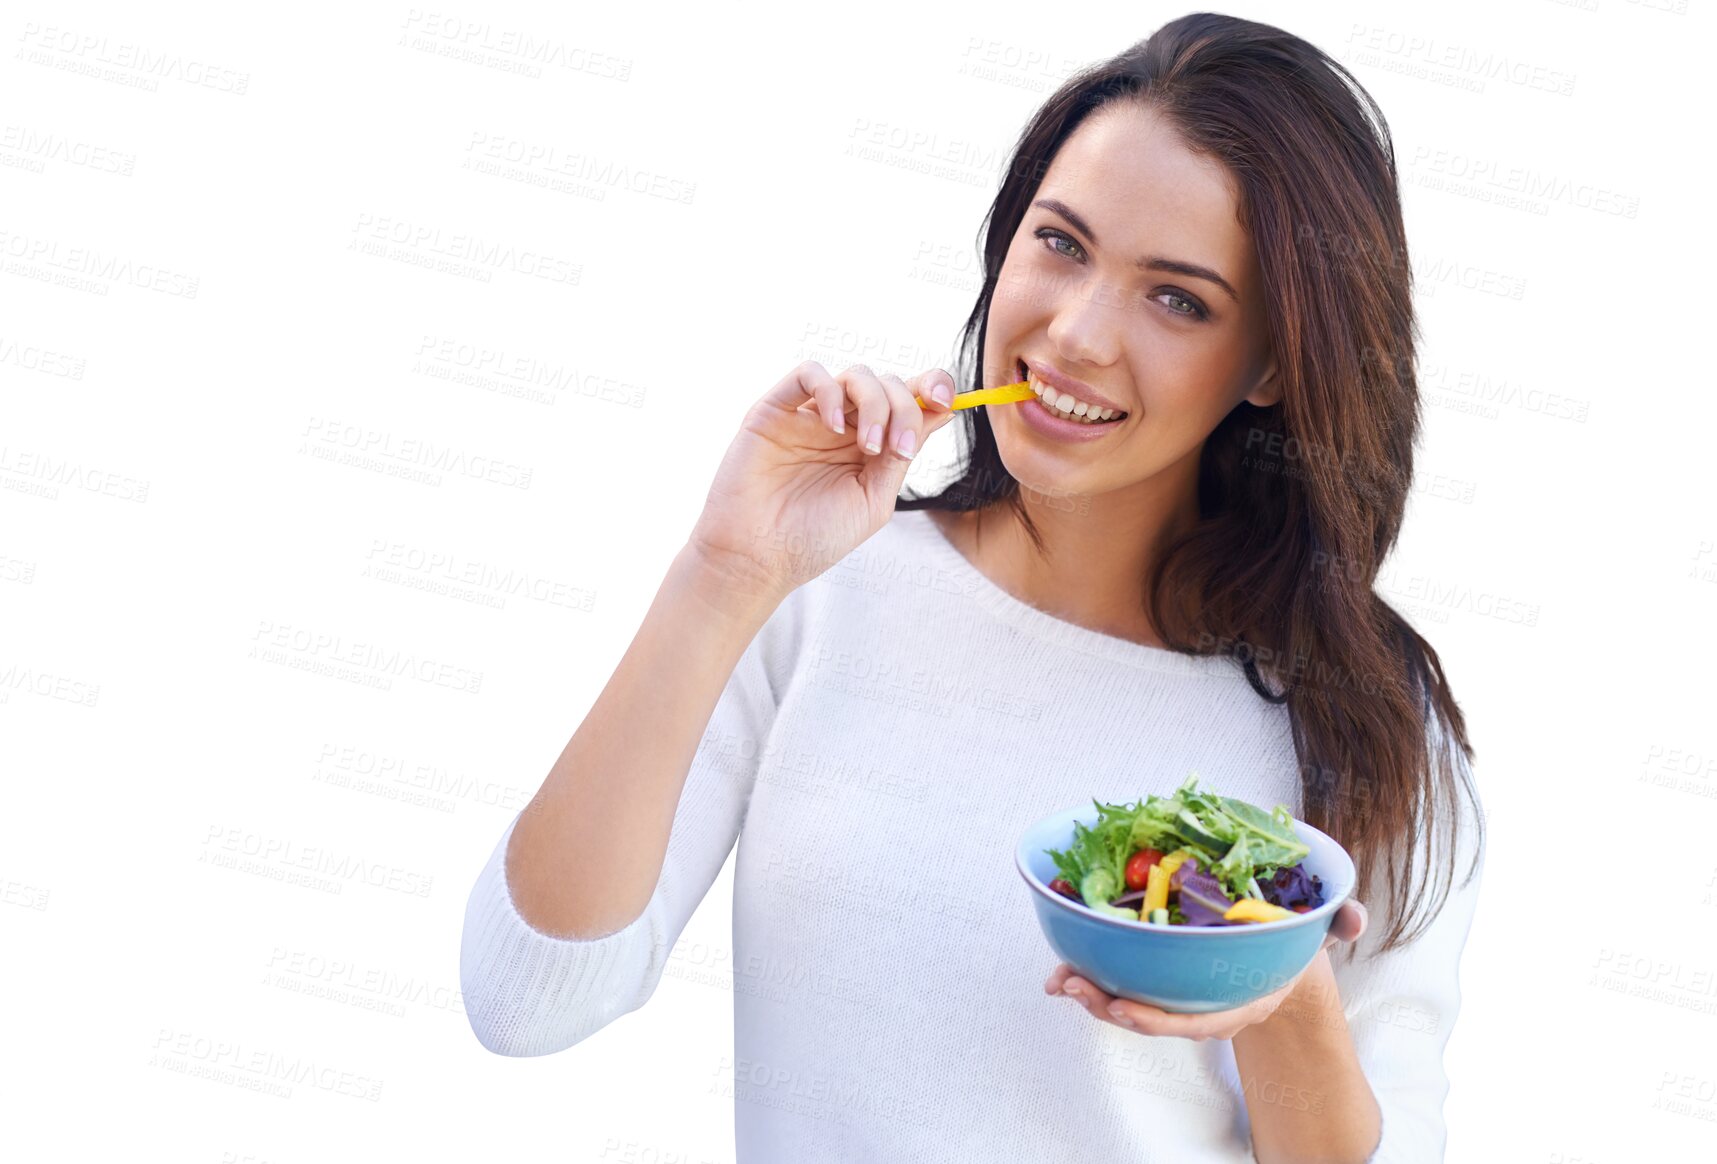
1192	310
1051	237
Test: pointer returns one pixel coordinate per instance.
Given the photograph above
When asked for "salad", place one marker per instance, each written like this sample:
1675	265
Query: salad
1191	859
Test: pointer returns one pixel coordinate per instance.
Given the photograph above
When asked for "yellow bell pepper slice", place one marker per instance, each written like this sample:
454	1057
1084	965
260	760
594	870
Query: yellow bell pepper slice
1174	860
1251	909
1006	394
1156	890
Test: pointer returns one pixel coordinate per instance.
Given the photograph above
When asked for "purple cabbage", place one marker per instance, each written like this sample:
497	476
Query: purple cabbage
1293	886
1203	901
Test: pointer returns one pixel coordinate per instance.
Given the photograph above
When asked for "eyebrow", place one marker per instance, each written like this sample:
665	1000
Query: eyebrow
1147	263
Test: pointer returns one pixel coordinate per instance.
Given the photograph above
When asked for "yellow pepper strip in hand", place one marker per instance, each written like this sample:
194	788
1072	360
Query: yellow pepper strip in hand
1156	890
1007	394
1251	909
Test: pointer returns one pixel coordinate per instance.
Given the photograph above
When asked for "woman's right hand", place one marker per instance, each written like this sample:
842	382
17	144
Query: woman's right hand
793	496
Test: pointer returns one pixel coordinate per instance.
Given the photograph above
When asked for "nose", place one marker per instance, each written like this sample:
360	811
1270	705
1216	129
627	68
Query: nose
1084	328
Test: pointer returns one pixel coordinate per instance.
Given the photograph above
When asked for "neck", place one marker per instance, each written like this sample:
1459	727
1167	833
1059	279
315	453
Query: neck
1098	549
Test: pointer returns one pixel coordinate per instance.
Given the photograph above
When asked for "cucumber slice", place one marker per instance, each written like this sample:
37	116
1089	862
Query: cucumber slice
1116	911
1188	826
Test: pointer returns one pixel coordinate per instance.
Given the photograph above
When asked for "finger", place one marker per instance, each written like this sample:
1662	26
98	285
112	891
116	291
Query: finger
1086	995
1349	922
906	421
934	420
1094	1000
935	388
865	392
831	400
797	386
1154	1020
1142	1017
1056	978
927	386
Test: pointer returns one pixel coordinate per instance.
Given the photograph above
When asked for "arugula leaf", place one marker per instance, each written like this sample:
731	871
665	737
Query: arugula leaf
1274	842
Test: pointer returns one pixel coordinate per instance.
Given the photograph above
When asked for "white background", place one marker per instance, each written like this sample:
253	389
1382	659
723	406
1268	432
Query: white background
193	323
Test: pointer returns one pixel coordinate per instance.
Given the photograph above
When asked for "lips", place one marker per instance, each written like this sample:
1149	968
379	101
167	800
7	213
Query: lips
1050	386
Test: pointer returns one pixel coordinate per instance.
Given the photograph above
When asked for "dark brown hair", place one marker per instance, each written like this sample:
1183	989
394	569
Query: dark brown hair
1299	503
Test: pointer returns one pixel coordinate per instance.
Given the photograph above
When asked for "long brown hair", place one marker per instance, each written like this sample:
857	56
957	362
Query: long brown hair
1299	502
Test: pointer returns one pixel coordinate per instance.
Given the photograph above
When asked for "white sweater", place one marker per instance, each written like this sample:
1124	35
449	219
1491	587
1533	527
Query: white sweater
880	747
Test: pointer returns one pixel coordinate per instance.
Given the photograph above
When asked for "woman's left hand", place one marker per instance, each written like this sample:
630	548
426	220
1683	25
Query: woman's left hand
1348	925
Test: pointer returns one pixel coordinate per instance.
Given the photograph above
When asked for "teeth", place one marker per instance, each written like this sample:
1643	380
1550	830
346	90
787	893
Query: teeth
1066	406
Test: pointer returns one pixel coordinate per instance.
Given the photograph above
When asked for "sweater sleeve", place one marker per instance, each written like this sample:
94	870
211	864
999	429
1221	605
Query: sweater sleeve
1401	1006
527	992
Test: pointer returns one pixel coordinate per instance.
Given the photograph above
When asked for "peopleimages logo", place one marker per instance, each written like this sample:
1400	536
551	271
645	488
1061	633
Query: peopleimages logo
255	1068
284	853
47	257
481	253
383	447
144	68
305	649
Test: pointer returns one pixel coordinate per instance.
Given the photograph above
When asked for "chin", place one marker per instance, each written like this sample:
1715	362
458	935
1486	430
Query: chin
1043	482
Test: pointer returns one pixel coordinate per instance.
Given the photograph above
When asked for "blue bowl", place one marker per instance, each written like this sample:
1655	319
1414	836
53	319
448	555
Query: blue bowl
1186	969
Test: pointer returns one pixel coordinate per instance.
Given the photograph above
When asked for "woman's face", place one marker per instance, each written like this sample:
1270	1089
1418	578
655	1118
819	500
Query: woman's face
1097	286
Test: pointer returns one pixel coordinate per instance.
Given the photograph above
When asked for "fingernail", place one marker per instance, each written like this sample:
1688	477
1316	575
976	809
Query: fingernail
1074	990
873	439
1120	1016
840	424
942	394
906	442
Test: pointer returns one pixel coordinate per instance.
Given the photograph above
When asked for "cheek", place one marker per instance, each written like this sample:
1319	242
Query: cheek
1013	296
1028	288
1004	307
1182	402
1187	385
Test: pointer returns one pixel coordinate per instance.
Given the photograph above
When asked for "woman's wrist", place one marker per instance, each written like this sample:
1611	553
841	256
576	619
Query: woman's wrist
1306	1093
738	595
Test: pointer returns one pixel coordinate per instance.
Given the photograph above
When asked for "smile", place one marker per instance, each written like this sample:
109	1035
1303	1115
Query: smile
1067	406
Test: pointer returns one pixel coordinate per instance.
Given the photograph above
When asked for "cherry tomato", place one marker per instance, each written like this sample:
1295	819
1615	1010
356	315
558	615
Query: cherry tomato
1139	867
1301	908
1064	887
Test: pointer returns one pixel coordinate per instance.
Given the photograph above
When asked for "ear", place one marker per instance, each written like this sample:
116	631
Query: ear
1267	390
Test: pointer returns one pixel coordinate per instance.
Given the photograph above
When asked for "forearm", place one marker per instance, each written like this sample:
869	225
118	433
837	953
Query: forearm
588	849
1307	1097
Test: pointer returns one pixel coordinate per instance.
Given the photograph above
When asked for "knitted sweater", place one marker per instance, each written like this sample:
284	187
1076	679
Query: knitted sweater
877	752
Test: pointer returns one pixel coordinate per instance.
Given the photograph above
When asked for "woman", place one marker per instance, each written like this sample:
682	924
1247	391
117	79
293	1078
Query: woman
1197	259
